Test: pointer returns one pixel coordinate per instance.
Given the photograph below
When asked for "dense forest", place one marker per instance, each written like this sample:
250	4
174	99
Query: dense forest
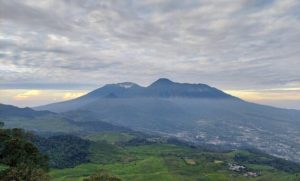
23	158
27	157
63	150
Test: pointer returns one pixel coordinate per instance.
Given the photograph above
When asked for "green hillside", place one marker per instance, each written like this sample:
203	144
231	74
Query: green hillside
47	122
168	162
111	137
134	156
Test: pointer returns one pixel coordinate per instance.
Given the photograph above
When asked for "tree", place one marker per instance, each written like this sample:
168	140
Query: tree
24	173
17	150
25	161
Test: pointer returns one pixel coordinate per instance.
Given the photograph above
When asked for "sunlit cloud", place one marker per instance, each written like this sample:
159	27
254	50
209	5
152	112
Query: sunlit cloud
284	97
271	94
27	95
31	98
72	95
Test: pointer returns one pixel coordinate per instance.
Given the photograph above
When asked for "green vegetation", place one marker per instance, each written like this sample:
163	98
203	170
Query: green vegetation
111	137
102	176
103	152
111	156
3	167
44	123
168	162
24	172
64	150
256	157
20	159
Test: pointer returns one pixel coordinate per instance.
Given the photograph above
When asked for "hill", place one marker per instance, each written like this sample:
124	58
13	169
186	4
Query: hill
46	122
163	161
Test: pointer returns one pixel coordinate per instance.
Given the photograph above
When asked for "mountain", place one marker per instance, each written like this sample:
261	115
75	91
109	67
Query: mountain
192	112
49	122
165	88
7	111
162	88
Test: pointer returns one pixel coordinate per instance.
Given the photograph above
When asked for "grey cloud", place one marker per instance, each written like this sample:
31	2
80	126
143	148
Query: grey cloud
236	44
29	16
47	86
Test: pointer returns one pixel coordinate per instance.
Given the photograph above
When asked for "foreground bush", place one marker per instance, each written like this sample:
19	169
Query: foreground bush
102	176
24	173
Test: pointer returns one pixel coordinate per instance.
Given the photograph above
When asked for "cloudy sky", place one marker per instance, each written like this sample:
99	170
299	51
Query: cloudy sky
55	50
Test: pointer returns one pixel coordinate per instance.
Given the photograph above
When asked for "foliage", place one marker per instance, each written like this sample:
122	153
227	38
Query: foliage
24	173
102	176
22	157
111	137
140	159
138	141
167	162
64	150
257	157
16	149
103	152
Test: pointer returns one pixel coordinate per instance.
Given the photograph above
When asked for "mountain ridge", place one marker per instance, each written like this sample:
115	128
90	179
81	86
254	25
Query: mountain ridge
46	122
162	88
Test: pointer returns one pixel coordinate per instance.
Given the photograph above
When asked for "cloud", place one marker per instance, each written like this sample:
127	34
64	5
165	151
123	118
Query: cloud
72	95
234	44
27	95
267	94
280	97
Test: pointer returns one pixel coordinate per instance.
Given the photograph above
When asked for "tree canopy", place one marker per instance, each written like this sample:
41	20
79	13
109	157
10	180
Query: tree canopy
23	157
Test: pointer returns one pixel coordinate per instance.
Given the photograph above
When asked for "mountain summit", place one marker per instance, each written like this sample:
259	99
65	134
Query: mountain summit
162	82
166	88
161	88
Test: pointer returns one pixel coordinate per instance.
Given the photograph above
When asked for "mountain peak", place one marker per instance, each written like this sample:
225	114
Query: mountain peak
162	81
127	85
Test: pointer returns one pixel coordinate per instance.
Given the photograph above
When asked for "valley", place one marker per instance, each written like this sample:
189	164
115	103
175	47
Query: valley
161	161
166	131
137	156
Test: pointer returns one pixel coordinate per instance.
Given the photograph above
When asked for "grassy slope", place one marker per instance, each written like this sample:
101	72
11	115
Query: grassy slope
111	137
42	123
164	162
